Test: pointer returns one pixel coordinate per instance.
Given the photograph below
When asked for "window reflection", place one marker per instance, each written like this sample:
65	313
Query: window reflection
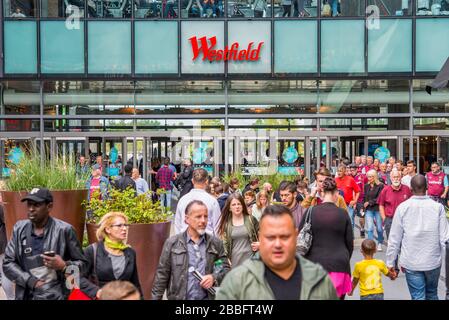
249	8
295	8
390	7
20	8
346	8
109	8
202	8
167	9
432	7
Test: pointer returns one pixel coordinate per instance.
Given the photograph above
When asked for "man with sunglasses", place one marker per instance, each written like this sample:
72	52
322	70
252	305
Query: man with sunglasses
40	251
188	253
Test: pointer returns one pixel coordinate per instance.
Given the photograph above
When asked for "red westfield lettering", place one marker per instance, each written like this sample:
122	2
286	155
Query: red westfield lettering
207	47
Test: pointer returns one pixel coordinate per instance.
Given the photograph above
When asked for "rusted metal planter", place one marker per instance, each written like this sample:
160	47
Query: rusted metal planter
147	240
67	206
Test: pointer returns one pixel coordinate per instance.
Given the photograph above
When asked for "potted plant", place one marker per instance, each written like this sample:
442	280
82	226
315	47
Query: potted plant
149	228
59	176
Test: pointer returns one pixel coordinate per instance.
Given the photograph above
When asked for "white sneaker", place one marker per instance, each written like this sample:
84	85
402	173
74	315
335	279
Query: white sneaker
379	247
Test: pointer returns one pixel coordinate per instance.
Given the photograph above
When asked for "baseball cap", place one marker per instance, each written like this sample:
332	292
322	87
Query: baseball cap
39	195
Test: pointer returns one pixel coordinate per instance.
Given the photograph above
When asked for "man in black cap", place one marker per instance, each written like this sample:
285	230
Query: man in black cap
42	249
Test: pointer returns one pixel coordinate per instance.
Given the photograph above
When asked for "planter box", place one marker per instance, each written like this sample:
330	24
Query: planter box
147	240
67	206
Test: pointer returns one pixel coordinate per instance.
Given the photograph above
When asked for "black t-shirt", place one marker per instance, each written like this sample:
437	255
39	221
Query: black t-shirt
289	289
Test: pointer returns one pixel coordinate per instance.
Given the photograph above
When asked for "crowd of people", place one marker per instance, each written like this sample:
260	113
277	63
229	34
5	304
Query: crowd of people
234	241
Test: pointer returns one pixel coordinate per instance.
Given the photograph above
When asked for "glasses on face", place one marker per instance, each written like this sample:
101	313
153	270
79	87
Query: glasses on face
121	225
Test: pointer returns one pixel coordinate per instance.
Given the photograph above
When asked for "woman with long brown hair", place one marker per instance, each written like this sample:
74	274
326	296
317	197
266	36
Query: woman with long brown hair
238	230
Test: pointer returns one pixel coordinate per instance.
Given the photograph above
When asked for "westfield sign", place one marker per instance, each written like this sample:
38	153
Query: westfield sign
207	48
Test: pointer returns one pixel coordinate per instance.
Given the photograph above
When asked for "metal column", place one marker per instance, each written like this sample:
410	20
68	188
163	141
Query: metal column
217	156
86	149
145	159
318	153
134	152
400	149
417	155
124	153
328	152
2	157
438	149
307	163
237	152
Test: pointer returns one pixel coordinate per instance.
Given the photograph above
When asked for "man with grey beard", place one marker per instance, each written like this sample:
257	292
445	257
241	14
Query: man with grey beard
188	251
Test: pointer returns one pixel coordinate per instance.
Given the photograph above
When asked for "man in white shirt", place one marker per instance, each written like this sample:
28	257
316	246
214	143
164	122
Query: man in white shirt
200	181
141	184
411	172
419	230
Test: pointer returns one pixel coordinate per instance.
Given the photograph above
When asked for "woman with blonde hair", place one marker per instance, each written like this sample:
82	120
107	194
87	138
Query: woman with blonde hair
371	193
262	201
238	230
110	258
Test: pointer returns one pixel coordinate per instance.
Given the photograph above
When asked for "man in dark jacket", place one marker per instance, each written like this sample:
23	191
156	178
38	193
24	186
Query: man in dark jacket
126	181
190	250
41	250
184	181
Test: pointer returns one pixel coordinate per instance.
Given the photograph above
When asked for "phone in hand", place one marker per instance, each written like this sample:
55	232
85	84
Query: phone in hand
50	253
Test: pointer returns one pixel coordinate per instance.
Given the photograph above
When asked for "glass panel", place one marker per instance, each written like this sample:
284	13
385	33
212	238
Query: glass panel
170	124
335	56
432	7
372	96
62	49
272	97
389	8
20	8
19	125
109	46
156	9
431	123
272	123
63	8
156	47
295	47
390	46
249	8
365	124
443	157
347	8
432	44
20	47
438	102
202	8
295	8
256	40
197	29
109	8
14	100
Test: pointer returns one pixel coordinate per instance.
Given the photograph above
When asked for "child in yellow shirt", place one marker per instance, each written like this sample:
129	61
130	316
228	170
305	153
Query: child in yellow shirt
369	273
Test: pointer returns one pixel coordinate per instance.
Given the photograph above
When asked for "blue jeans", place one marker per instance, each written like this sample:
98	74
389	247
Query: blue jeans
423	285
166	199
334	5
370	216
377	296
351	212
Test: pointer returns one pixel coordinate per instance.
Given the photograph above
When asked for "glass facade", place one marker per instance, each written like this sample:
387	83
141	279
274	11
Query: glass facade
349	75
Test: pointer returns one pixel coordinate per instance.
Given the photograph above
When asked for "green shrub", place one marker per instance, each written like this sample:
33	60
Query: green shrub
30	173
138	209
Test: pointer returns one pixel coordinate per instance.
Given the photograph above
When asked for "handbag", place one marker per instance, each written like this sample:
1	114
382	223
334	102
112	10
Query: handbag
304	241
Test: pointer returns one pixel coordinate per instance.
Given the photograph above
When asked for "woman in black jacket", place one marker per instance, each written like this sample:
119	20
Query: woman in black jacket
333	238
371	193
110	258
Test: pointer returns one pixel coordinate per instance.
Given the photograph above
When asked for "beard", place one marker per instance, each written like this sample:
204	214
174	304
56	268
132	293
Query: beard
201	232
396	183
